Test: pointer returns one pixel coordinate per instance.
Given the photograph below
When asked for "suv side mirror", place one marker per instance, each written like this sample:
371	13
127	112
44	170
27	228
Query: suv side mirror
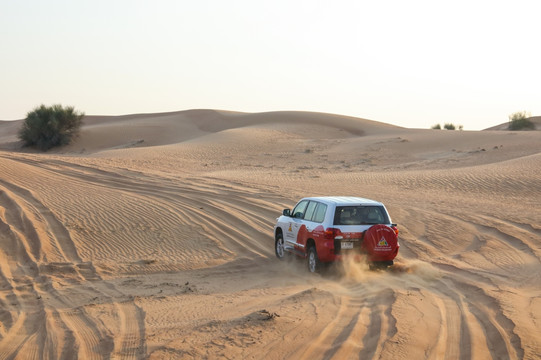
286	212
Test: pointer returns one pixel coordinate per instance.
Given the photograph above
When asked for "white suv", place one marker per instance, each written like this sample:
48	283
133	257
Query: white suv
325	229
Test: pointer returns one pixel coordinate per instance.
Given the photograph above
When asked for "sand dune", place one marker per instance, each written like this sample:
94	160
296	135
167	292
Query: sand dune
151	237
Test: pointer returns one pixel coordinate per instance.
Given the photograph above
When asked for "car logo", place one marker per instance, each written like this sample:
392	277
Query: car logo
383	242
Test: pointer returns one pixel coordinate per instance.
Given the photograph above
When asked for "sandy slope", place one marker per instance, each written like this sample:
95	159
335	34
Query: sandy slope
151	237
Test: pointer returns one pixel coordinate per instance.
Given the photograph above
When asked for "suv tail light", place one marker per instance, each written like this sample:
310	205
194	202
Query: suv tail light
395	229
332	233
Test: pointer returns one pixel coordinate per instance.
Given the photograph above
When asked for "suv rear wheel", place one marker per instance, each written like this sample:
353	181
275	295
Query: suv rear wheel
313	260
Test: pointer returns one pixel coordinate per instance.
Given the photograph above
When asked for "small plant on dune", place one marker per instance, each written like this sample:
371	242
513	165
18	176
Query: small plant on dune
520	121
449	126
46	127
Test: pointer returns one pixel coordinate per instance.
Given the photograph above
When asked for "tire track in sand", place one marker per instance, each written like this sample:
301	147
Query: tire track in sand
75	329
24	317
189	202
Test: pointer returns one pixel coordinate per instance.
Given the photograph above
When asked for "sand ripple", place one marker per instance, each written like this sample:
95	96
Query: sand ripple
167	252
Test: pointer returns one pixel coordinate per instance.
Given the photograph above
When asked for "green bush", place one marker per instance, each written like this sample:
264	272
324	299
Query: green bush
520	121
449	126
47	127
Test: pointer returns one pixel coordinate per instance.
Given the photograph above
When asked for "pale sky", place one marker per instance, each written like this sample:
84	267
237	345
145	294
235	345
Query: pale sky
411	63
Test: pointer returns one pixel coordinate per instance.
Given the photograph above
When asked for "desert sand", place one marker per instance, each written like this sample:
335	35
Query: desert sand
151	236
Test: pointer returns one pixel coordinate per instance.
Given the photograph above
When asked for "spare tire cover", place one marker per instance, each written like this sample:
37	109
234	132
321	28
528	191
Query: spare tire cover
381	243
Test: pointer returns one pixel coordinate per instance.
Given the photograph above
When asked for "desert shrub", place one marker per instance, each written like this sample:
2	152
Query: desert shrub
47	127
520	121
449	126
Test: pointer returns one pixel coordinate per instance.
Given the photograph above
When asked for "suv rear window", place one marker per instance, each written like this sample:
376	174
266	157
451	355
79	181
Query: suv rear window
360	215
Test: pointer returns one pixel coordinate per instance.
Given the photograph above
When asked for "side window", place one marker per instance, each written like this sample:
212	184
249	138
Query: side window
298	211
319	214
310	210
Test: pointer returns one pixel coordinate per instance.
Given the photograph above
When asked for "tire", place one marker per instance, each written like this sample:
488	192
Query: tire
279	248
381	244
313	260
